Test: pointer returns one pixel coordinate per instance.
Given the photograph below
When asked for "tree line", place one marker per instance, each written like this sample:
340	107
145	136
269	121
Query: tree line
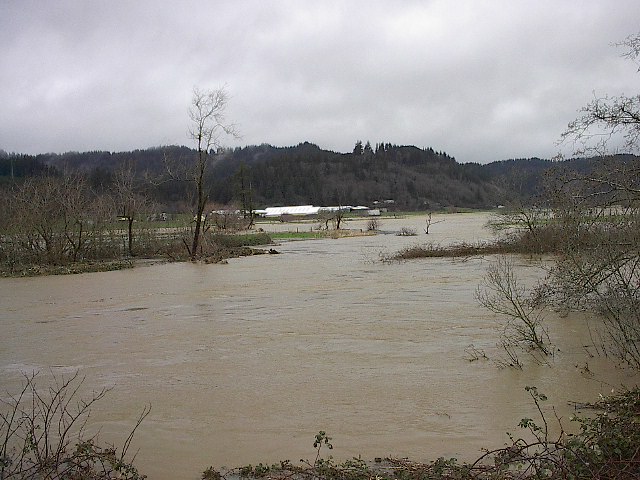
263	175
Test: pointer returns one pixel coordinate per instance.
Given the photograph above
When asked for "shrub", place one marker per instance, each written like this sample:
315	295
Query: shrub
407	232
244	240
373	225
42	435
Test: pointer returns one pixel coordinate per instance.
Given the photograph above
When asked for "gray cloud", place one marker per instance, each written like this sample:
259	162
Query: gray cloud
481	80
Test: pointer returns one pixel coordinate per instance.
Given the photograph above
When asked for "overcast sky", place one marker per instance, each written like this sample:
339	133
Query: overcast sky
482	80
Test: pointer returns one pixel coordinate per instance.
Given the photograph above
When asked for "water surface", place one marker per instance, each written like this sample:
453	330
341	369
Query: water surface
246	362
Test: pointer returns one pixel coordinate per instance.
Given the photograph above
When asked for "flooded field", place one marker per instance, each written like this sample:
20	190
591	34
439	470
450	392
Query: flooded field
246	362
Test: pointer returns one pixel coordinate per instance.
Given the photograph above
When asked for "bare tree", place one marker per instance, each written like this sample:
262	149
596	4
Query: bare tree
130	200
430	222
208	125
608	118
245	192
50	220
518	217
335	217
54	220
75	199
598	211
505	296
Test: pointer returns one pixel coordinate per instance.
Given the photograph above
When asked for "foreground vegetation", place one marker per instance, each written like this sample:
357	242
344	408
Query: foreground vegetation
43	435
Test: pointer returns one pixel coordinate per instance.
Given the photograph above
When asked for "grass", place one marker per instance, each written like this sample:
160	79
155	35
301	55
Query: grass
319	234
299	235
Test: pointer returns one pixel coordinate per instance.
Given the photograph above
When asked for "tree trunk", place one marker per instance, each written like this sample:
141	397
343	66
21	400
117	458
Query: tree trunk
200	203
196	236
130	239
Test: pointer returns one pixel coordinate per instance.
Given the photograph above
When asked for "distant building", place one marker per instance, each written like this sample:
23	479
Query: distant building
310	211
299	210
341	208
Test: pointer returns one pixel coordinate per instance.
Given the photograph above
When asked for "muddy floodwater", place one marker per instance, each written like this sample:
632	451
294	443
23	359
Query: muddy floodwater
246	362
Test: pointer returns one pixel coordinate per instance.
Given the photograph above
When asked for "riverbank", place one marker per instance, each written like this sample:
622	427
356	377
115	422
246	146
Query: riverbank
32	270
220	248
219	256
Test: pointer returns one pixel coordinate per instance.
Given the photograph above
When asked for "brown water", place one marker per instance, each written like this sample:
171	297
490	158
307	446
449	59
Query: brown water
246	362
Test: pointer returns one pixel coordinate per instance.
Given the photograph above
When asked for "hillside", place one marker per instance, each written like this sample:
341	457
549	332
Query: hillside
415	178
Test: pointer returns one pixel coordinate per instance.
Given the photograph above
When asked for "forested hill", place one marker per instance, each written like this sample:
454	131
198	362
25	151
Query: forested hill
415	178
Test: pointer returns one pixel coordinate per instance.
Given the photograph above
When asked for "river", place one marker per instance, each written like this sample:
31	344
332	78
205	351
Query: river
246	362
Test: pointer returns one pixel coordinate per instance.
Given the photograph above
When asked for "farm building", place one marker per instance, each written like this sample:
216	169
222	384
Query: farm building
299	210
310	210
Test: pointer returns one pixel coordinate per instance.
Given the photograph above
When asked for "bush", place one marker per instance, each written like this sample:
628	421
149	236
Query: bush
407	232
373	225
244	240
42	435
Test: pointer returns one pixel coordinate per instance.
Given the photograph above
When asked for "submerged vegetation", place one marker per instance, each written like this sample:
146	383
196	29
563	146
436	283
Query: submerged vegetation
541	239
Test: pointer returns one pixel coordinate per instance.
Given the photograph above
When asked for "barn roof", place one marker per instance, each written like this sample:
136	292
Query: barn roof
291	210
